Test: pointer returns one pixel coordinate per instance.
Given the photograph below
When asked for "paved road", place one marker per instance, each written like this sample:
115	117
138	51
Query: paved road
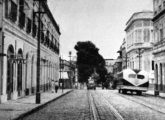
101	105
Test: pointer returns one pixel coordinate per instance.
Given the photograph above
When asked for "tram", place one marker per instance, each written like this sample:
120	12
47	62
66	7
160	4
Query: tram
132	81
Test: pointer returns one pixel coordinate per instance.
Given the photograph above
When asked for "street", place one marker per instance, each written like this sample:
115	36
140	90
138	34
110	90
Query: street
101	105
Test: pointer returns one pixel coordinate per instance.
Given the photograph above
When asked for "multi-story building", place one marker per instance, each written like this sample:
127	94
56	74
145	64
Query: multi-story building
68	73
139	41
109	65
18	48
159	43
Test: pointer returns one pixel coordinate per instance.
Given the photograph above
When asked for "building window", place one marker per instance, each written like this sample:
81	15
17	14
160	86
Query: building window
29	25
136	36
160	7
152	65
146	23
139	36
13	13
161	34
146	35
42	25
164	4
6	8
156	35
138	24
21	19
47	38
34	30
42	37
21	5
52	38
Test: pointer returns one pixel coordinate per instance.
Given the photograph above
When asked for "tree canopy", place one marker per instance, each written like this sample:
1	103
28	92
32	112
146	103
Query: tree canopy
88	60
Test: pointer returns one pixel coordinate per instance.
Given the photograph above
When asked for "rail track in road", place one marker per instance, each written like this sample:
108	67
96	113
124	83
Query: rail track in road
144	103
95	109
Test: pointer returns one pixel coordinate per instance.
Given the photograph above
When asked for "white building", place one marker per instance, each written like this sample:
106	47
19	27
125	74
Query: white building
139	42
159	44
18	48
109	63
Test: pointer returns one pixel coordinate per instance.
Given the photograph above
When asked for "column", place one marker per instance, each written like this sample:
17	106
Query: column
163	76
3	97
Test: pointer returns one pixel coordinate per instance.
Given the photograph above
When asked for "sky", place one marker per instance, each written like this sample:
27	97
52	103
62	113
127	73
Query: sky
100	21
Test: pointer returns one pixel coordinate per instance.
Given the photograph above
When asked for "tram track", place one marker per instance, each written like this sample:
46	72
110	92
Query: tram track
112	109
143	103
95	107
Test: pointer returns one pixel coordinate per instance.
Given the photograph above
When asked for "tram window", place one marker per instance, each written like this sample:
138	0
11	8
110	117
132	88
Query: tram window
132	76
140	76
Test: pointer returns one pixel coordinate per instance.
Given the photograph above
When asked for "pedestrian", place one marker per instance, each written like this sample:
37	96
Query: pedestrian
52	86
56	86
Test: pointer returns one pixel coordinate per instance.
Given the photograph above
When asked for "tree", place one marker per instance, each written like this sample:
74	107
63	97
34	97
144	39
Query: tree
88	60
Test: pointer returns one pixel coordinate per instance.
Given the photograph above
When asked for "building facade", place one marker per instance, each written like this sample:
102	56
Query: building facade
18	48
139	42
68	73
109	65
159	44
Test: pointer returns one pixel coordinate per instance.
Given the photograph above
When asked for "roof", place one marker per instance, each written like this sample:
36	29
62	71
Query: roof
51	17
139	15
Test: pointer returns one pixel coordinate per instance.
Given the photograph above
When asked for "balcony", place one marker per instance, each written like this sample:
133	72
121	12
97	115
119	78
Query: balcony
146	45
159	47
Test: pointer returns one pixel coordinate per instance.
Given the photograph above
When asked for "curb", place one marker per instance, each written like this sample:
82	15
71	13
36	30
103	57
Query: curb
20	117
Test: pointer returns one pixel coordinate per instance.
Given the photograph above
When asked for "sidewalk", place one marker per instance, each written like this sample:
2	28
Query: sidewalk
14	109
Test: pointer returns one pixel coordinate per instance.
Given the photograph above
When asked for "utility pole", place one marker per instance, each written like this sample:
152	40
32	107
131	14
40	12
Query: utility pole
38	94
70	55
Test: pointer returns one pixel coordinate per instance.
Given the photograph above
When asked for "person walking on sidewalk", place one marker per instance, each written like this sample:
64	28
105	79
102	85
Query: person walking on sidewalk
52	86
56	86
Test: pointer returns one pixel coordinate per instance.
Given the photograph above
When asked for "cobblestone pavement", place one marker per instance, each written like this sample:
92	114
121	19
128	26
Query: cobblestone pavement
99	105
73	106
131	107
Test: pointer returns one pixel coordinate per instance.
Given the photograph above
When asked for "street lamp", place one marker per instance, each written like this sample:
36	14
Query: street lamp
70	55
139	52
